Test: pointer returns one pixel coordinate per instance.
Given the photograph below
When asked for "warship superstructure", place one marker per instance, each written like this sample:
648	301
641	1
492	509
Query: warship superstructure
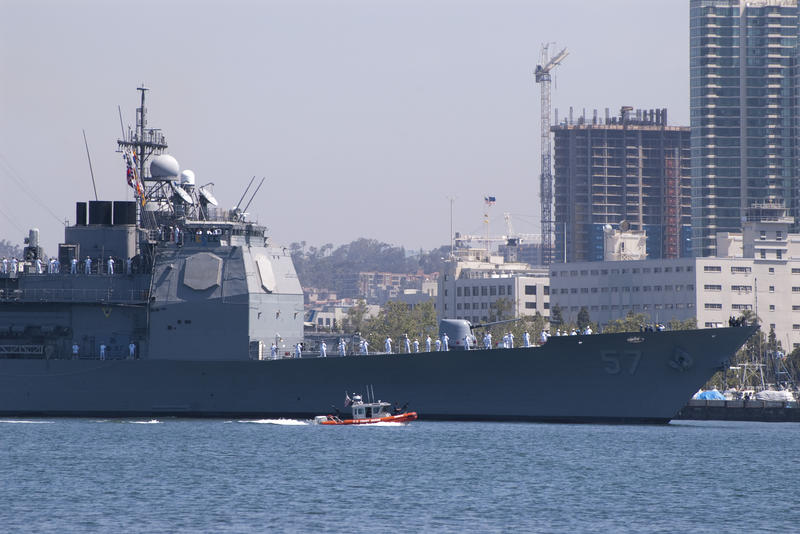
169	305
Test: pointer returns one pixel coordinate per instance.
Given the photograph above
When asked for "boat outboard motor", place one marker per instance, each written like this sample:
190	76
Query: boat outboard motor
456	330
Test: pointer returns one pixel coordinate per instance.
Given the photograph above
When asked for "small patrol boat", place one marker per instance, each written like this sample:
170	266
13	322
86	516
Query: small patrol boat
367	413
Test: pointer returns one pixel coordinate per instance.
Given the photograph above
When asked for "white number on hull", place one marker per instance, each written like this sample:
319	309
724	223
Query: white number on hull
614	361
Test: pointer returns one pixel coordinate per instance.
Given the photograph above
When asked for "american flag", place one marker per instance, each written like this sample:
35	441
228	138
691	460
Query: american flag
489	200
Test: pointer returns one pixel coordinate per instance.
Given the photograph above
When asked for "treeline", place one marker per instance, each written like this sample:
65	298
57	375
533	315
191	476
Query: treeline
323	266
9	250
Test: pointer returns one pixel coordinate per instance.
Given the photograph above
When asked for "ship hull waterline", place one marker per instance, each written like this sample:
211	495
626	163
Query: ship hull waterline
611	378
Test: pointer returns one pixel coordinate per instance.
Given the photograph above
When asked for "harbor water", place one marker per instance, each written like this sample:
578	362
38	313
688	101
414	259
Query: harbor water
181	475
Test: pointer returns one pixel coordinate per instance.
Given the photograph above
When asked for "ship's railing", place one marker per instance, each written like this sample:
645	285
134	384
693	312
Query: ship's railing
108	295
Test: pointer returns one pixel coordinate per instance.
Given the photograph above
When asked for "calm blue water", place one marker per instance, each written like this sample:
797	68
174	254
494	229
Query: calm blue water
173	475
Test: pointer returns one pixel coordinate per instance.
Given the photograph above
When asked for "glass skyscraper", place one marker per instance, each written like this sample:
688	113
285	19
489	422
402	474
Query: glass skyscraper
744	112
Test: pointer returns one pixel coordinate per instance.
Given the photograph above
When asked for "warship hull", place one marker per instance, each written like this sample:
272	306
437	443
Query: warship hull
613	378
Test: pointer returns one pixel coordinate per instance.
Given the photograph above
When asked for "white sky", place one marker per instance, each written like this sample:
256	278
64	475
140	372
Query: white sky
363	115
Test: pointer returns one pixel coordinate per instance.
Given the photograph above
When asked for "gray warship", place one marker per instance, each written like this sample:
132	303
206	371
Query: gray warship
170	306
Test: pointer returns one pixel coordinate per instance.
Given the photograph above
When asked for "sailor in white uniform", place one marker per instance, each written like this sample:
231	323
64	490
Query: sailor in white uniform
298	350
387	345
366	348
323	350
416	345
88	265
487	341
407	343
466	342
102	352
505	341
445	342
74	351
428	344
526	339
588	330
342	347
4	266
128	266
73	266
38	266
511	340
438	345
543	336
14	265
273	351
110	264
132	350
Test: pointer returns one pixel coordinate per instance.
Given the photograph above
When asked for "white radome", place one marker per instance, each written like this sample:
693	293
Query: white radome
164	167
187	177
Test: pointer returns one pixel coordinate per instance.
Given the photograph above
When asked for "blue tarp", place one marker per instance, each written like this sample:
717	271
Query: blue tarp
712	394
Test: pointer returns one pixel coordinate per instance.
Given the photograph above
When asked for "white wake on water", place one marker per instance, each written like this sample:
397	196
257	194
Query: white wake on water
18	421
150	422
282	422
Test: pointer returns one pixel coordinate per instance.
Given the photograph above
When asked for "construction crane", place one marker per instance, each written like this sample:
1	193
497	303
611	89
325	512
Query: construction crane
542	75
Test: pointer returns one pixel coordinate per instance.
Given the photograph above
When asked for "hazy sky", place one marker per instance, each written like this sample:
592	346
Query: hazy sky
365	116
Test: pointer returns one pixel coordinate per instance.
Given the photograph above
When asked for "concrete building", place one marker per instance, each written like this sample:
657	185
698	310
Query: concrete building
479	287
633	170
761	272
744	112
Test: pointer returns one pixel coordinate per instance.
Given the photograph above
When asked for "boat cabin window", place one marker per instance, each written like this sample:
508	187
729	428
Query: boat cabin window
369	411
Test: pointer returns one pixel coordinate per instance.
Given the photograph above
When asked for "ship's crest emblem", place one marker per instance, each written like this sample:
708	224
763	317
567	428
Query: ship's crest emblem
681	360
106	310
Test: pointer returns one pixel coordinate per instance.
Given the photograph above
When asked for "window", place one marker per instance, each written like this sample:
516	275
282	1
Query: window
484	291
646	288
458	291
795	307
584	290
502	290
564	290
796	327
713	306
445	292
772	289
584	273
458	306
667	269
772	270
745	289
741	306
646	270
634	271
795	289
763	234
603	290
712	268
492	291
778	255
573	290
573	273
763	254
483	305
475	291
778	235
530	290
594	290
546	290
614	289
530	305
740	269
771	307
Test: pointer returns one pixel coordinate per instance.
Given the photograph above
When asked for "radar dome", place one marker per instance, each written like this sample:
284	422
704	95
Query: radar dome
164	167
187	177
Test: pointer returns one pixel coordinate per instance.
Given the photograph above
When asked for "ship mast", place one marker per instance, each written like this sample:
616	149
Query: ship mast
145	143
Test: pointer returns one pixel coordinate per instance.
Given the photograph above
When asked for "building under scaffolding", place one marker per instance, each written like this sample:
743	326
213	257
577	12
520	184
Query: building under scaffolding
632	170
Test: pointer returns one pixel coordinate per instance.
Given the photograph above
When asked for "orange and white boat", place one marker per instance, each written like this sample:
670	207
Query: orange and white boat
367	413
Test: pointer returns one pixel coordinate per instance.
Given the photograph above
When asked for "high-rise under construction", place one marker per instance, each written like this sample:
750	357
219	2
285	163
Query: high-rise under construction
631	170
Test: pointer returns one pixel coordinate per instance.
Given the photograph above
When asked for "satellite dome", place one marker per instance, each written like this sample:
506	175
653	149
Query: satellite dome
164	167
187	177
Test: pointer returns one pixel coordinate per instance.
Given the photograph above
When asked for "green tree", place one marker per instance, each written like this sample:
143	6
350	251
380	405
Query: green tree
583	319
630	323
686	324
501	310
397	319
356	319
556	317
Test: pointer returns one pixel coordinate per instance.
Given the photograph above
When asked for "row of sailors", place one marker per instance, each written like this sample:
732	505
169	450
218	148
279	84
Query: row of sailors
54	266
442	344
103	348
574	332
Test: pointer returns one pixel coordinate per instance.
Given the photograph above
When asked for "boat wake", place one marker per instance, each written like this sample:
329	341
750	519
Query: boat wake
21	421
280	422
150	422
